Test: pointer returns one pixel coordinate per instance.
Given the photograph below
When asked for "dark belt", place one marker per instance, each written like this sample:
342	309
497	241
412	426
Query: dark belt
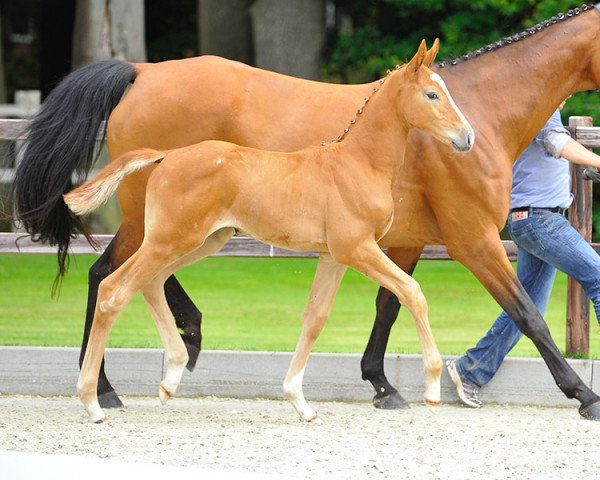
560	210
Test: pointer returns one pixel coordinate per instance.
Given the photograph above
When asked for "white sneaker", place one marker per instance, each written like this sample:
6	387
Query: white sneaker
467	392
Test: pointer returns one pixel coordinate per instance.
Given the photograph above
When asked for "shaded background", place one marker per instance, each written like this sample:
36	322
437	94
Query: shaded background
347	41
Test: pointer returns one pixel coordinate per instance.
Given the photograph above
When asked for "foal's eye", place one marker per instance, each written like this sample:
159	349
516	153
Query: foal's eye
432	96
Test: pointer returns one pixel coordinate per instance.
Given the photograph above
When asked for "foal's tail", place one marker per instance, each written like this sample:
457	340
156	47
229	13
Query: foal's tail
94	193
60	143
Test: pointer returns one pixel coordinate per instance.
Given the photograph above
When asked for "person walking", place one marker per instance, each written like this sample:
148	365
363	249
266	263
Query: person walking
546	242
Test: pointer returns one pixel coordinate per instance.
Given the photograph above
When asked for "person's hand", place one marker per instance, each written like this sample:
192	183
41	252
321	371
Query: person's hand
590	174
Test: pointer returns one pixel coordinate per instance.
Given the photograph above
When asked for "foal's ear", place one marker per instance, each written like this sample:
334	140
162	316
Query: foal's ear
418	59
432	53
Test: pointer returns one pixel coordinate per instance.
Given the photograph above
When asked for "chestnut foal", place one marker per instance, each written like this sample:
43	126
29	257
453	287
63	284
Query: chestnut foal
335	199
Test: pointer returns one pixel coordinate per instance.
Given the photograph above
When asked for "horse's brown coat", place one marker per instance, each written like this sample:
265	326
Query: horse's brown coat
335	199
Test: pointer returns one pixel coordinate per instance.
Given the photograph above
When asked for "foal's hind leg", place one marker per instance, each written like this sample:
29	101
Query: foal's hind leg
327	279
176	354
370	260
154	294
98	272
187	316
114	294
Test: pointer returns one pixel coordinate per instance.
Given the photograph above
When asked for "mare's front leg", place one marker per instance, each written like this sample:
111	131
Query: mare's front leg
327	279
489	263
370	260
387	308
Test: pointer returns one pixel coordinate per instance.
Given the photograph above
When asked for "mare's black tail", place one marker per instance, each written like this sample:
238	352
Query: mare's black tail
60	143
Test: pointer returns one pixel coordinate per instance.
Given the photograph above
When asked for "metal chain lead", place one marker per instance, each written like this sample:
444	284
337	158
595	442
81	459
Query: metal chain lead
361	109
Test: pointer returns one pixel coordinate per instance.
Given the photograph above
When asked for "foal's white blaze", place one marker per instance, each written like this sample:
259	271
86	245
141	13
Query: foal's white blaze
437	79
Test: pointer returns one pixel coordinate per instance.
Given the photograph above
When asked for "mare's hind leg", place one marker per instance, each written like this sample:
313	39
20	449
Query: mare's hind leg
327	279
387	307
370	260
187	317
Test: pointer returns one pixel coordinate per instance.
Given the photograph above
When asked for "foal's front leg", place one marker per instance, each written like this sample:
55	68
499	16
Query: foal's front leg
372	363
370	260
327	279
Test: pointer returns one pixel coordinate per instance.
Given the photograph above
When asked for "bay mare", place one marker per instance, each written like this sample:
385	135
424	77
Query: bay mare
508	90
335	199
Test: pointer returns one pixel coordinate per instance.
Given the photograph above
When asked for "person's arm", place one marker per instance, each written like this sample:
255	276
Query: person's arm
575	152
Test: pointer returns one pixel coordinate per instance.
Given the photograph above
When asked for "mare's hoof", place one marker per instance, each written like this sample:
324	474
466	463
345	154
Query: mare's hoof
393	401
193	352
590	412
110	400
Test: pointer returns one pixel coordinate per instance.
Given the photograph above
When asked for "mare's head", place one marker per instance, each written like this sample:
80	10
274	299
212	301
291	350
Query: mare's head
426	103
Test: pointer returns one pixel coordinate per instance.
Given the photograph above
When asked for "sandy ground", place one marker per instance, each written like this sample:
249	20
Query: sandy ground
227	438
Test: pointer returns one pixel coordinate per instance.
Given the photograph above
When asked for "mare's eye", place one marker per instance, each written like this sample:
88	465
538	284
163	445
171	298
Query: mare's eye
432	96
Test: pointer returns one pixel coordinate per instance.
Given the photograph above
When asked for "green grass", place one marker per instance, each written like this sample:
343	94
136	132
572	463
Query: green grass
256	304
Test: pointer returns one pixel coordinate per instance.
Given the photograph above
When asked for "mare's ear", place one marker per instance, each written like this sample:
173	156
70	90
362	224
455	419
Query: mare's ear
418	59
432	53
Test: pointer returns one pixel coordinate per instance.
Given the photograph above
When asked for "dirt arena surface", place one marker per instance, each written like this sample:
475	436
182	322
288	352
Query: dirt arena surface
227	438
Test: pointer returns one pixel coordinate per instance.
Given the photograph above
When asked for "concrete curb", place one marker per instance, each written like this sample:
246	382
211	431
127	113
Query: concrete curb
330	377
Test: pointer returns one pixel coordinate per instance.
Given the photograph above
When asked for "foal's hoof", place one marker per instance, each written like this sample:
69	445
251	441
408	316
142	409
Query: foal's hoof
315	420
163	394
102	420
591	411
393	401
433	405
110	400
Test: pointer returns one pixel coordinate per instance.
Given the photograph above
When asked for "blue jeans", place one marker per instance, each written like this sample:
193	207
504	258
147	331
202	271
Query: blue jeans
546	241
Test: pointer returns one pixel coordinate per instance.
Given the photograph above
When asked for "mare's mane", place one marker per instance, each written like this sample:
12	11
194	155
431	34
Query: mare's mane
561	17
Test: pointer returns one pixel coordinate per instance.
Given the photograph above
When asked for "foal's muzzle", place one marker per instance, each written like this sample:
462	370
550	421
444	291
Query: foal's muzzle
463	142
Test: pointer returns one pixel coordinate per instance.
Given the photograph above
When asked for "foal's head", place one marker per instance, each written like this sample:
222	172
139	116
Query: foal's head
425	102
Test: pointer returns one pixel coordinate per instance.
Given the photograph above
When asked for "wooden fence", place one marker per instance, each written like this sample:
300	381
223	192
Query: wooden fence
579	214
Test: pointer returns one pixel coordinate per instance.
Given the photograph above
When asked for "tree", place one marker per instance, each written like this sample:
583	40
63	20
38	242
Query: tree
108	29
289	36
225	29
2	79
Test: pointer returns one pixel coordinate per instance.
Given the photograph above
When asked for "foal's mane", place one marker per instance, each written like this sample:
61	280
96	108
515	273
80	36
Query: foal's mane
380	83
561	17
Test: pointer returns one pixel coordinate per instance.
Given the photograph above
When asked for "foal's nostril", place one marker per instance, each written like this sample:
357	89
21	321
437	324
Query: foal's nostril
463	142
469	138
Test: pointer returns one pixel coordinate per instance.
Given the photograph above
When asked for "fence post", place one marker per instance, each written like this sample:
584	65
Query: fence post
580	216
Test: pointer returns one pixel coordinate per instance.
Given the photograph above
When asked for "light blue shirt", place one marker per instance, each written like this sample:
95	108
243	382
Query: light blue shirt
541	177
